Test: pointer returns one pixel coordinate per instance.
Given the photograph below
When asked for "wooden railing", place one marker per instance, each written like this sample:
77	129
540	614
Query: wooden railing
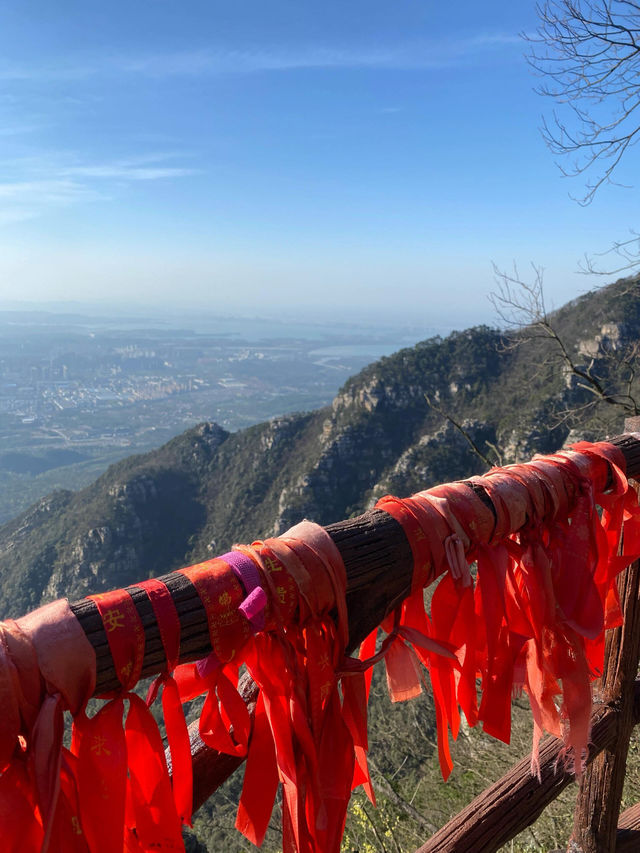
379	566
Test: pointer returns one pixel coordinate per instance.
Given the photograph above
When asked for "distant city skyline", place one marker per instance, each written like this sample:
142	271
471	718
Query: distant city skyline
311	159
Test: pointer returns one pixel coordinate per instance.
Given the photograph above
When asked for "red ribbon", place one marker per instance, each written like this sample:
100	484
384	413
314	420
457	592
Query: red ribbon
134	796
545	590
168	621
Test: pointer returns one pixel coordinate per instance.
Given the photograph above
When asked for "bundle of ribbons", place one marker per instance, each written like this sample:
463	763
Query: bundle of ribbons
528	556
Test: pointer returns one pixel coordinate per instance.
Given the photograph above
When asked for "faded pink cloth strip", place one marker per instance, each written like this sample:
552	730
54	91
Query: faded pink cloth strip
317	538
47	665
20	688
66	658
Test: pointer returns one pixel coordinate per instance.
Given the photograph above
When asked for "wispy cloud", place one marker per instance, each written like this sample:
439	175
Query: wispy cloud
242	60
50	191
13	215
11	72
52	182
18	129
127	173
409	55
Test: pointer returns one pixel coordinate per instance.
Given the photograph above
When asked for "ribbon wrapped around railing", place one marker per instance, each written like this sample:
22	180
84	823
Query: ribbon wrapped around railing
545	589
527	558
130	802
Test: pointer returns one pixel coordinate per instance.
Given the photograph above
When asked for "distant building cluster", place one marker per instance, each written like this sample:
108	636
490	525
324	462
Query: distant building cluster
66	386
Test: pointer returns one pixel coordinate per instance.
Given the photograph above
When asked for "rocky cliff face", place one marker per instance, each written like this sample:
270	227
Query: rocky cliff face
139	515
390	429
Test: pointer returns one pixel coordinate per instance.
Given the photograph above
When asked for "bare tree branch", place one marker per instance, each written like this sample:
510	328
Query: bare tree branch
610	373
464	432
587	53
389	791
624	254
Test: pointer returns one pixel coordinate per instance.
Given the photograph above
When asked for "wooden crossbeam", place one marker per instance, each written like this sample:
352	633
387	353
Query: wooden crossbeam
515	801
628	834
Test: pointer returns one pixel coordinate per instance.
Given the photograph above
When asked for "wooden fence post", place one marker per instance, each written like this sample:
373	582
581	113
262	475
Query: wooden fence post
598	801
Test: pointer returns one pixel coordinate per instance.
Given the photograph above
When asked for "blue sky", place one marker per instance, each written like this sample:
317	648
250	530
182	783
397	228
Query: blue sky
305	157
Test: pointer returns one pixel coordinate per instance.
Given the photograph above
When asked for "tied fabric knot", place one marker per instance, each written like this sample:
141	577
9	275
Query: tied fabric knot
253	606
456	558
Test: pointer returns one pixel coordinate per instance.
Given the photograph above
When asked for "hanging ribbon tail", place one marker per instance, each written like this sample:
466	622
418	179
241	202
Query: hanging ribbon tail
336	767
266	665
444	753
67	833
501	648
576	707
448	627
151	813
260	780
47	758
180	750
403	672
225	723
102	776
354	712
20	823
